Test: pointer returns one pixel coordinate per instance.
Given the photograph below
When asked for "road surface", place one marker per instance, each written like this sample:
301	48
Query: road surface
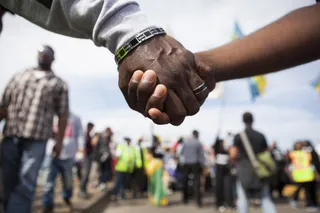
142	206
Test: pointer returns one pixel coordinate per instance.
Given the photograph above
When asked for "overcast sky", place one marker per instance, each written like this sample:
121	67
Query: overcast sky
289	110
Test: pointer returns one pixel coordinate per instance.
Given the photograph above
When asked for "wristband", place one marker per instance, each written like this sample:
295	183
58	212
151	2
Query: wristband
136	41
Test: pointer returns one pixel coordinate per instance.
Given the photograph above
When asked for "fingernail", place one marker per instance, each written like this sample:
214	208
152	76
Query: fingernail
135	78
152	115
147	77
158	92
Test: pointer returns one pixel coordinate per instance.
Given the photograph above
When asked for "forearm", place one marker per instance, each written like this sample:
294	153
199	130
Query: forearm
108	23
290	41
3	113
62	123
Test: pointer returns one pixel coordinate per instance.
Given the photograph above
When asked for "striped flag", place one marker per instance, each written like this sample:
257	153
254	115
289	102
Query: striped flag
257	84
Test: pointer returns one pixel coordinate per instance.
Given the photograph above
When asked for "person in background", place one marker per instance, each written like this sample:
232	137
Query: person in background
73	142
103	156
247	180
141	163
176	145
156	189
280	177
29	120
303	173
308	147
193	161
125	154
87	162
224	192
156	147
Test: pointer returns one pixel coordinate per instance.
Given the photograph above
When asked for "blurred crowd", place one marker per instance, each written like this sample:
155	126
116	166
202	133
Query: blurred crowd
40	131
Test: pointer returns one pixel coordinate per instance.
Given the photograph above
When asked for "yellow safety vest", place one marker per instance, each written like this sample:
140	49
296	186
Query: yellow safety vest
302	170
138	157
125	162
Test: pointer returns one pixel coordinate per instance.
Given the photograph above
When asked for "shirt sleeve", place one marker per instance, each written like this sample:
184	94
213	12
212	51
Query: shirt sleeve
7	94
264	143
201	156
108	23
80	135
62	100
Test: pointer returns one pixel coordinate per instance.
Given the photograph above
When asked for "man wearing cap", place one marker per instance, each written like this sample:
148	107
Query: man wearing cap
125	154
29	103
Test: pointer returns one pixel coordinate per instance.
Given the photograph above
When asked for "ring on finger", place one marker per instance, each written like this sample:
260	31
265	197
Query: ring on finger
203	87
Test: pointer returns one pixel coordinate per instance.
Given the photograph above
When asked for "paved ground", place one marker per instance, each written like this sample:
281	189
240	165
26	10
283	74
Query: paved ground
142	206
78	203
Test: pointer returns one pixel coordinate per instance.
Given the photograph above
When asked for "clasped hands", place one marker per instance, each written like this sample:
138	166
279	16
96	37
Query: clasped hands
164	81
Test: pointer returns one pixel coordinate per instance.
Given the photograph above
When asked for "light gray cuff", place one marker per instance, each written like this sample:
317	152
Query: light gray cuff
113	30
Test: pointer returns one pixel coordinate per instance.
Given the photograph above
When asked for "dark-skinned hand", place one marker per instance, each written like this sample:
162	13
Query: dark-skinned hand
170	92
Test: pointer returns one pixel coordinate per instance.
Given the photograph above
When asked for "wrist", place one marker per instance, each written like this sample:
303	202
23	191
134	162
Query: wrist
138	39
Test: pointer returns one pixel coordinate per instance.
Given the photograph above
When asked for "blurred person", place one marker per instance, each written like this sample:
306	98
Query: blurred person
103	156
193	162
224	193
247	181
280	178
156	147
302	172
125	154
73	143
141	163
89	155
156	189
176	145
28	126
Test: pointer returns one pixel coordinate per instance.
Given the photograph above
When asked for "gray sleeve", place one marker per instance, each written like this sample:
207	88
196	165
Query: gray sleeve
80	134
108	23
201	156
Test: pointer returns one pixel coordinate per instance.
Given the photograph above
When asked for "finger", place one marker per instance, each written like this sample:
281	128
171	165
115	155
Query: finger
205	72
145	89
198	87
157	99
188	99
133	89
158	117
174	108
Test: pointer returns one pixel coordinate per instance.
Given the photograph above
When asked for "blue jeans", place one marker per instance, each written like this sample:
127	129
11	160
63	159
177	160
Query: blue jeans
64	167
21	162
87	169
266	202
121	181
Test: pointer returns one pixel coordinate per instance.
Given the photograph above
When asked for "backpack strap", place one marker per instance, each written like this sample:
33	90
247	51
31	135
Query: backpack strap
248	149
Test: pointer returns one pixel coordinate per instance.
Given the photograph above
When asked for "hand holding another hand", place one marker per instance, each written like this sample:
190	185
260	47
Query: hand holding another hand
175	89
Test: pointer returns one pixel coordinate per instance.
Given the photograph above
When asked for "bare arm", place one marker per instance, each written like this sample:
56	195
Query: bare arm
288	42
234	152
62	123
3	113
62	110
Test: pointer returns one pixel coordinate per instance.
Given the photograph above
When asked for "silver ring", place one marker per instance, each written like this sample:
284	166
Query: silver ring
200	89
